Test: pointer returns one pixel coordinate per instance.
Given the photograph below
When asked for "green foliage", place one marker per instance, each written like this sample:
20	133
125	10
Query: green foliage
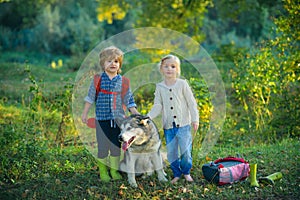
144	98
238	24
27	155
15	83
228	53
73	27
267	81
40	155
205	107
32	168
5	42
19	14
188	15
57	103
20	144
75	36
54	27
248	18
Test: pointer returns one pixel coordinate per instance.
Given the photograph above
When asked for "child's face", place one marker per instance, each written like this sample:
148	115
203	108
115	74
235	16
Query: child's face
112	65
169	68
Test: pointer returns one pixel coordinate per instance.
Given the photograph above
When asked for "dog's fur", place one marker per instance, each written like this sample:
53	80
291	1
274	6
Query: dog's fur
141	143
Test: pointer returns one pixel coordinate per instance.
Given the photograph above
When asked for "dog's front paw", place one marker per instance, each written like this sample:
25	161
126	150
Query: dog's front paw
162	179
162	176
132	183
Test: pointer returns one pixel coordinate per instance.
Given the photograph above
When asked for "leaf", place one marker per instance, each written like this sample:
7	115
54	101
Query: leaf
208	158
121	192
156	198
137	195
151	183
24	194
206	190
123	187
57	181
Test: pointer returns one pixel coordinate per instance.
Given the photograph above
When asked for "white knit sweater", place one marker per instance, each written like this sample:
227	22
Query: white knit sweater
176	103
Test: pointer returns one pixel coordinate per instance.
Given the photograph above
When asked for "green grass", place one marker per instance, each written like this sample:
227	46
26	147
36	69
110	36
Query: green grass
78	179
14	80
34	168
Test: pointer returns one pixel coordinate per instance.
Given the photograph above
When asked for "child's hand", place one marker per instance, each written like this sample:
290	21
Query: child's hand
84	118
195	126
84	115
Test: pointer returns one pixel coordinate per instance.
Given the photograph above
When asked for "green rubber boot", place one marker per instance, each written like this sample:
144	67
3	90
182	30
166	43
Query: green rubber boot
253	181
269	180
104	176
114	166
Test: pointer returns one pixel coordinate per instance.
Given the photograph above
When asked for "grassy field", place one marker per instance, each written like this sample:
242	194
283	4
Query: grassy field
34	166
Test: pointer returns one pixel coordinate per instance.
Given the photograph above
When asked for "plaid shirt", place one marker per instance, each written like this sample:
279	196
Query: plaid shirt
104	102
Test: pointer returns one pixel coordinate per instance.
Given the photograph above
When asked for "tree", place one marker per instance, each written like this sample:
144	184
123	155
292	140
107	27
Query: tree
60	27
185	16
19	14
267	81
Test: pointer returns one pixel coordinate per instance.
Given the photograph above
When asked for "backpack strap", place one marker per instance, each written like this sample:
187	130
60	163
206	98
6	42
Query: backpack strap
230	159
97	83
125	87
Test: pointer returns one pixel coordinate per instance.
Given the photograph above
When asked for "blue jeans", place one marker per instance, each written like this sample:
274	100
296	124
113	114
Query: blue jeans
179	149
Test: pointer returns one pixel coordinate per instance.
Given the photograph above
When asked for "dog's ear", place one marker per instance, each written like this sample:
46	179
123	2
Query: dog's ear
135	116
139	116
145	117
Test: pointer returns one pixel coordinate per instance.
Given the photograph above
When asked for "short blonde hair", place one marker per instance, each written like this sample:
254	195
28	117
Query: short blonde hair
110	53
170	56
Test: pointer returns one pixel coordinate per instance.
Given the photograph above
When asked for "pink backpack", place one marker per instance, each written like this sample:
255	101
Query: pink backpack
226	170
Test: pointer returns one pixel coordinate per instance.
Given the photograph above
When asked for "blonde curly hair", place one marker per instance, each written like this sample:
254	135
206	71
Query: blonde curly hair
110	53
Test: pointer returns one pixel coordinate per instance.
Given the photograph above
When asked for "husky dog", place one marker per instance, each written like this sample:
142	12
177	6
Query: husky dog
141	146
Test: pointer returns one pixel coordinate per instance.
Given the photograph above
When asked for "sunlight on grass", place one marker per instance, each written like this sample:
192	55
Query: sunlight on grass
35	164
72	172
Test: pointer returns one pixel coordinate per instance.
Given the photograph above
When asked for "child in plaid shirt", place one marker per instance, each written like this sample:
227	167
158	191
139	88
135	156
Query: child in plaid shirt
109	107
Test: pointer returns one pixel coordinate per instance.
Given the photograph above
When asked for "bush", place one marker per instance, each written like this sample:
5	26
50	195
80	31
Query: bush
267	81
57	28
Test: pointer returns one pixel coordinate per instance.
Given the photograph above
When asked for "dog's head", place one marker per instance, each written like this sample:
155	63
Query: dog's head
135	131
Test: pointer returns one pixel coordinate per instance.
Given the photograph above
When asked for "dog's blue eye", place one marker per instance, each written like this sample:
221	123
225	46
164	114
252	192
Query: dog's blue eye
128	128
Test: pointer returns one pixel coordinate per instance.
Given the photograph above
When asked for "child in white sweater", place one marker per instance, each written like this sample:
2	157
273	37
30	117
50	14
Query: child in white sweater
175	100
